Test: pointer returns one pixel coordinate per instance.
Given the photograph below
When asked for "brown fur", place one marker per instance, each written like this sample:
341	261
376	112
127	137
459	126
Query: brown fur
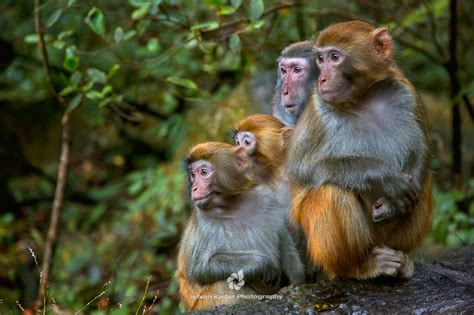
341	233
271	149
337	222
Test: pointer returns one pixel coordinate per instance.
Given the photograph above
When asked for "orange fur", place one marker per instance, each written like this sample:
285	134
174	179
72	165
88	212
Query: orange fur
341	234
271	150
337	222
197	297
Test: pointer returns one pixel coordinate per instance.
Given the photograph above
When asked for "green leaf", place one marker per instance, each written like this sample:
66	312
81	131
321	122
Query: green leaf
67	90
214	3
53	18
59	44
70	3
226	10
65	34
71	59
118	35
113	70
153	45
256	25
182	82
236	3
74	103
234	43
31	39
94	95
206	26
105	102
129	35
87	86
137	3
96	75
141	11
107	90
255	10
96	21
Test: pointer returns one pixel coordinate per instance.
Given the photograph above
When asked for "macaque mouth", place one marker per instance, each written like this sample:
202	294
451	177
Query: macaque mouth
202	199
290	107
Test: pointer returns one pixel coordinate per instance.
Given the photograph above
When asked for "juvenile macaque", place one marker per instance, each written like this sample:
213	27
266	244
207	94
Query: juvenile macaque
237	228
297	74
358	159
263	139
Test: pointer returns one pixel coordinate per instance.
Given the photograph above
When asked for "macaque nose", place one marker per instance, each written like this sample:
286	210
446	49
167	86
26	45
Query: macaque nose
194	188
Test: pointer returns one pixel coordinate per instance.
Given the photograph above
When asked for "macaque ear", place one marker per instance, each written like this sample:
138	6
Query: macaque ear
382	43
242	159
286	133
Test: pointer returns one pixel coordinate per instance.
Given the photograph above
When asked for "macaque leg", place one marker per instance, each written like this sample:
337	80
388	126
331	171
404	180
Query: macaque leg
340	235
204	297
407	232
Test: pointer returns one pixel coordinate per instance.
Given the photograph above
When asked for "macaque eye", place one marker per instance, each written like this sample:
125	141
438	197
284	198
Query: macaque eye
237	142
204	171
297	69
247	142
335	56
192	174
283	70
320	58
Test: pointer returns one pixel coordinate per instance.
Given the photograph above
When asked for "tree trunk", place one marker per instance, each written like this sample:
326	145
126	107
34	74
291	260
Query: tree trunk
452	68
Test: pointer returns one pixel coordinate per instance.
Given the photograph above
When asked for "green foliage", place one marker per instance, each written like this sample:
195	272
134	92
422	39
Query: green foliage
452	226
144	81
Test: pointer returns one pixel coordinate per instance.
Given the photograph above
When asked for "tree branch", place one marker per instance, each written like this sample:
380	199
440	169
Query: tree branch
62	168
269	11
468	104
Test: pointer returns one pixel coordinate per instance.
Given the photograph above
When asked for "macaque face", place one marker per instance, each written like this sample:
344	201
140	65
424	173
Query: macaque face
333	84
294	73
247	141
202	176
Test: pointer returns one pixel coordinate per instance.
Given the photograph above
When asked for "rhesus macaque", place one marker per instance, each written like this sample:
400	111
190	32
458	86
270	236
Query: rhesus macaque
358	159
297	74
237	225
263	140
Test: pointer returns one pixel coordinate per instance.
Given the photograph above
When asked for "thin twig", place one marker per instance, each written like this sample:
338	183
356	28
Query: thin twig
468	104
144	296
62	168
269	11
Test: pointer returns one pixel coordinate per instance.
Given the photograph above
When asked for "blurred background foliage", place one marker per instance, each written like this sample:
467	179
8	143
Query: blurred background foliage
143	81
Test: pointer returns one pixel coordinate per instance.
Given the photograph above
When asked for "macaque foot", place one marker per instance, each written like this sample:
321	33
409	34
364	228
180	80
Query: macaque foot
385	261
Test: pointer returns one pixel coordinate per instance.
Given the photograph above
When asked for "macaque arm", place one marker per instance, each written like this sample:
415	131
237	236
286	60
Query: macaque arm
360	174
222	264
290	260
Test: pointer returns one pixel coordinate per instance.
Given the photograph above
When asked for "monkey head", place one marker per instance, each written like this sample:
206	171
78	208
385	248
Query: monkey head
214	175
261	142
297	73
351	56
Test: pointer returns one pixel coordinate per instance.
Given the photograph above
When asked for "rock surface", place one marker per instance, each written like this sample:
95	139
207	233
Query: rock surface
445	286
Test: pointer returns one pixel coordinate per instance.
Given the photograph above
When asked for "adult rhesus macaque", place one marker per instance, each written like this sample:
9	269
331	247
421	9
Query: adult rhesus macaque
237	225
297	74
358	159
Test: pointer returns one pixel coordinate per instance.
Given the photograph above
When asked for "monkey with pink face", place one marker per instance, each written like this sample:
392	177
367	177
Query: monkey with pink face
237	224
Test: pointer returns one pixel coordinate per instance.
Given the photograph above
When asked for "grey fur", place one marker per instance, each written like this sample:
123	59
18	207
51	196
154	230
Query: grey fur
364	149
252	237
